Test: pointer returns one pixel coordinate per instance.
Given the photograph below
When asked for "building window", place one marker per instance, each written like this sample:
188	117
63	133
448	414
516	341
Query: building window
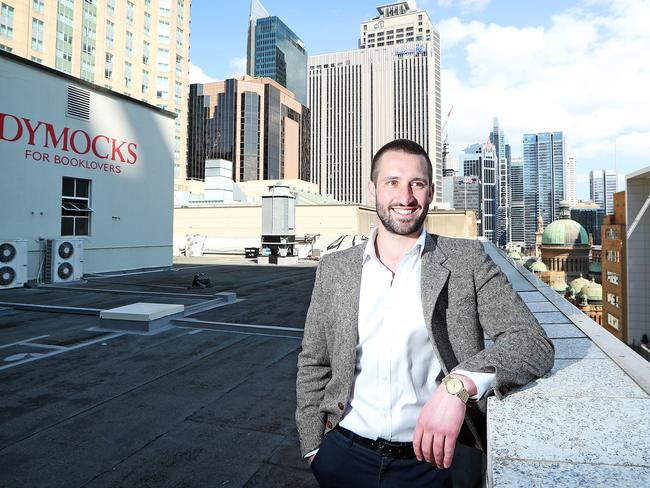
37	34
162	87
613	321
147	23
612	277
180	10
178	92
75	207
110	7
108	68
38	6
110	34
179	65
612	233
37	60
612	299
128	44
130	8
145	53
127	74
179	38
5	48
165	8
6	21
163	31
612	256
163	59
145	82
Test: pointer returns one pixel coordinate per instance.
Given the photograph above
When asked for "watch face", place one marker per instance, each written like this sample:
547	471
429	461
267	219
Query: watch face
454	386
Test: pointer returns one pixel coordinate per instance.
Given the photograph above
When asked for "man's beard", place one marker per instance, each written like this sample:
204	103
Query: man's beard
399	228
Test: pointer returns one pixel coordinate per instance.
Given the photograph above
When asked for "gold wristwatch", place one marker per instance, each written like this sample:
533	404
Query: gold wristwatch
455	387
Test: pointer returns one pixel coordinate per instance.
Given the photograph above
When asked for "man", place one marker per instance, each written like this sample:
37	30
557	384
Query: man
393	369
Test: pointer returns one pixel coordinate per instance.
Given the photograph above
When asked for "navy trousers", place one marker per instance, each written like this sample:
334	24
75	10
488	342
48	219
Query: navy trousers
340	463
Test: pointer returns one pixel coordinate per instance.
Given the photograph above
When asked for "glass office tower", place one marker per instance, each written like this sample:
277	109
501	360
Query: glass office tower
543	179
274	51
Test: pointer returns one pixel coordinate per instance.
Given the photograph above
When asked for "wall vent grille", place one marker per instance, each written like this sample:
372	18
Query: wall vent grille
78	103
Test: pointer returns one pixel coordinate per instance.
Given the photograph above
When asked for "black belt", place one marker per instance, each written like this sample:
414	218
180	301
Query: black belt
397	450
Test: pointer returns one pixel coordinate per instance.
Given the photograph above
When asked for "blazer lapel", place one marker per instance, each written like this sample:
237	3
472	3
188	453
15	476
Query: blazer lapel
434	276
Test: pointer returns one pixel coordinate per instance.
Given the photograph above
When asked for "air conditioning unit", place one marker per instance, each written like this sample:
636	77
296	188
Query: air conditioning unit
64	259
13	263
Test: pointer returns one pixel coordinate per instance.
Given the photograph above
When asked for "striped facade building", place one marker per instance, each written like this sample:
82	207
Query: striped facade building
361	99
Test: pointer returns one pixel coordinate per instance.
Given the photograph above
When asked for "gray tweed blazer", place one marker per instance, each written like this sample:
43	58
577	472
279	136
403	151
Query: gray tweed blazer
464	294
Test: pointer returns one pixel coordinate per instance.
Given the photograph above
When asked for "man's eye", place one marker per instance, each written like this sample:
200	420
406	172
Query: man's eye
391	182
418	184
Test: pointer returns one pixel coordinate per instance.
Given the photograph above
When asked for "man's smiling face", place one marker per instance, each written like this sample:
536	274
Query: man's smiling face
402	192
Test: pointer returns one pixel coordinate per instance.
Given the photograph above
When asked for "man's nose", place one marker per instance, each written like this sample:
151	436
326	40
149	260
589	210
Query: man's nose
405	196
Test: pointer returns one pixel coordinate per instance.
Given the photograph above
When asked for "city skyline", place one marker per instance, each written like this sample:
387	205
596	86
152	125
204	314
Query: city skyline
593	92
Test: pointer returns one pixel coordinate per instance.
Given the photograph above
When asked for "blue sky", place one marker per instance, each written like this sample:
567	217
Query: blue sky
539	66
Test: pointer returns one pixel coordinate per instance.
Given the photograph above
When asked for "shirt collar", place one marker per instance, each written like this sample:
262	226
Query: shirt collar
370	253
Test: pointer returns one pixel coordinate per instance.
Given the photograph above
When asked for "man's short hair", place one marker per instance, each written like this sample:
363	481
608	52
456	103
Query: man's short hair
403	145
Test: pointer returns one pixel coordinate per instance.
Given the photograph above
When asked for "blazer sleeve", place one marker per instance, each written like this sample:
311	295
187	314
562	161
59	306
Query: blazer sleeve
314	369
521	351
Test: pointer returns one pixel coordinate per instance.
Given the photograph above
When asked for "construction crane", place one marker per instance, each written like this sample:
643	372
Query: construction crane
445	143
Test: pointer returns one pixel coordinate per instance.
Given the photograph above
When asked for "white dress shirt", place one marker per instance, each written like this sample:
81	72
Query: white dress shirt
396	369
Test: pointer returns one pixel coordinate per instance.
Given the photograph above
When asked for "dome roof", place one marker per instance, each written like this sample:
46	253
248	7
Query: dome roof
593	291
515	256
565	232
559	285
578	284
538	267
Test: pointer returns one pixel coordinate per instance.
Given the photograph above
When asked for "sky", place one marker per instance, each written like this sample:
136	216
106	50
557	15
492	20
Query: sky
540	66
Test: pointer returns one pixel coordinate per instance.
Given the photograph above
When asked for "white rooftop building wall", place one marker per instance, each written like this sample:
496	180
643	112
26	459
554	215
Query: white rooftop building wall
132	201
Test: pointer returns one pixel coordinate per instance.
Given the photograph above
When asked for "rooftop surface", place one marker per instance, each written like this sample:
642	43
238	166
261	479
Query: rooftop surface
210	401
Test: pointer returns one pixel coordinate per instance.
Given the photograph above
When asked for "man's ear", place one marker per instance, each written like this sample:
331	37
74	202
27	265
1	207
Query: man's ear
432	192
372	192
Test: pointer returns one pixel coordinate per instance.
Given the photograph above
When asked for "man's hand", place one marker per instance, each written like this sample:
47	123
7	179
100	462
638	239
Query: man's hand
438	425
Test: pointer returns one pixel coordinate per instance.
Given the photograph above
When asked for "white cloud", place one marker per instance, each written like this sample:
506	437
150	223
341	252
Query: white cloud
584	75
465	6
197	75
238	65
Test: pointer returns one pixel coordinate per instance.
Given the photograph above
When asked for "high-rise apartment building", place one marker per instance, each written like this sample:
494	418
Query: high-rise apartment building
570	195
138	48
387	89
275	52
254	123
517	219
480	160
466	196
602	186
543	179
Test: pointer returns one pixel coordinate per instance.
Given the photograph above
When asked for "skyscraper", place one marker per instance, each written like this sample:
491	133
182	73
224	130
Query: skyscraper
570	195
502	150
139	49
517	221
275	52
543	180
387	89
254	123
602	186
481	160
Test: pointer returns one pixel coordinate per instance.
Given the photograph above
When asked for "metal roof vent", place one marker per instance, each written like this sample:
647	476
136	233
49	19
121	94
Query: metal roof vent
78	103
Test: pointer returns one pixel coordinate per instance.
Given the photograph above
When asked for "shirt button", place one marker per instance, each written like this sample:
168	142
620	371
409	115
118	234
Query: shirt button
341	406
329	424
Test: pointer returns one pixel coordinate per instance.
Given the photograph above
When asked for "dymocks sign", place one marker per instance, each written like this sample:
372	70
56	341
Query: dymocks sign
96	151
